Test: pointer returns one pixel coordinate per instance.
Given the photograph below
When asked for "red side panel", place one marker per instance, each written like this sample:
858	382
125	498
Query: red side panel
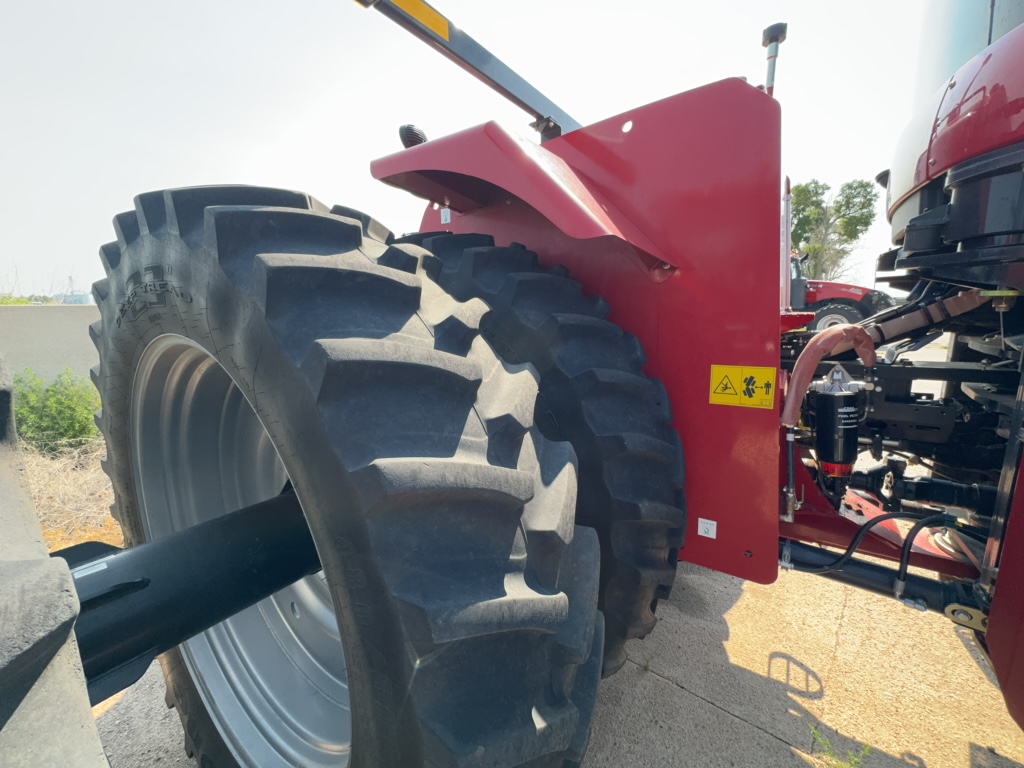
820	290
1005	634
676	223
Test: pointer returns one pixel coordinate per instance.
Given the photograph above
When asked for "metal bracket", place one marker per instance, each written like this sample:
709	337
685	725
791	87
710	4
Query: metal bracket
893	351
435	30
967	616
786	559
547	127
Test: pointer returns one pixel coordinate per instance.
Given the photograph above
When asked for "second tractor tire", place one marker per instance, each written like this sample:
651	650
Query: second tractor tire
835	314
595	395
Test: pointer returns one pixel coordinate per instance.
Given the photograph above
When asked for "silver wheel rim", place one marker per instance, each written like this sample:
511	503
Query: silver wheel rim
272	677
835	318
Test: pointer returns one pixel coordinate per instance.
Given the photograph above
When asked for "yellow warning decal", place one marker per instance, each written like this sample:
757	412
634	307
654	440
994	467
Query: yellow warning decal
743	386
425	15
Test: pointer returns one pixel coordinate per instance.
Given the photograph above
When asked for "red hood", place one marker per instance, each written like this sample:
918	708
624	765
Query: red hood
826	286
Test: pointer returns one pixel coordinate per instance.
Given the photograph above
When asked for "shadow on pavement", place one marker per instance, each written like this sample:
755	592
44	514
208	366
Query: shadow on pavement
982	757
690	698
694	693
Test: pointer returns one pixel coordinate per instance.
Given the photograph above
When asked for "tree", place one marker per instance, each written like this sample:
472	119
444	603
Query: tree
826	227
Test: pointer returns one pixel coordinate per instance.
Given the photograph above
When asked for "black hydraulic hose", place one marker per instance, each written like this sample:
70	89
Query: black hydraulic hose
931	594
933	521
918	291
911	305
933	293
844	558
934	595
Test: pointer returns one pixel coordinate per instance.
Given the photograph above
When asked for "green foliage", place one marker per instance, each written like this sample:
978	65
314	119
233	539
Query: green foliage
56	416
832	760
808	209
9	300
826	227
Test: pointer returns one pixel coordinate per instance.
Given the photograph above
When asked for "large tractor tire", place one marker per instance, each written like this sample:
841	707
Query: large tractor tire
594	394
249	340
835	314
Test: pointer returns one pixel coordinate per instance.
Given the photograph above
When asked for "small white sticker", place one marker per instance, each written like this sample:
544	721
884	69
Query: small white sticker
446	215
707	528
85	570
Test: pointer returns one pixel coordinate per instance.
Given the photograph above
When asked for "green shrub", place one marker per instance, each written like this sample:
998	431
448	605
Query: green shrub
56	416
7	300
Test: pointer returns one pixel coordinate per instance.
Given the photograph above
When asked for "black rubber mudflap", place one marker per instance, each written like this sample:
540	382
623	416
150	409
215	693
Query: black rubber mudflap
594	394
445	519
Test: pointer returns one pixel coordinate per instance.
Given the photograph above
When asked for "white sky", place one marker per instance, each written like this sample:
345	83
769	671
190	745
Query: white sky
101	101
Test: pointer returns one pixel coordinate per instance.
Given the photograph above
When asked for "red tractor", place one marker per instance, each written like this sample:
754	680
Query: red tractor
400	500
833	303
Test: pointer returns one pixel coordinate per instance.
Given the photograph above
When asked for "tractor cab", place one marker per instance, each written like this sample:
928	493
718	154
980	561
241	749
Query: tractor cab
833	303
797	280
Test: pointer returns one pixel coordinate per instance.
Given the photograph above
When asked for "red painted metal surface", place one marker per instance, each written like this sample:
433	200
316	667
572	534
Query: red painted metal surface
981	110
480	168
790	321
822	290
694	184
1005	636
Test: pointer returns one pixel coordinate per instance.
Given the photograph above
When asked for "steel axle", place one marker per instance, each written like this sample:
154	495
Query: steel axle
141	602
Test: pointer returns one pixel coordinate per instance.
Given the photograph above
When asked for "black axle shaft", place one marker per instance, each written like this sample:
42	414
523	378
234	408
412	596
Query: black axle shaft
141	602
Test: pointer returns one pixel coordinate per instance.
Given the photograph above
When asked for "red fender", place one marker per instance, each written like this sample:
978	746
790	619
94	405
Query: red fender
671	212
480	166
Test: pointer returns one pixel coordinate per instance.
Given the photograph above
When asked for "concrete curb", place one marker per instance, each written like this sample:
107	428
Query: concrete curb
45	718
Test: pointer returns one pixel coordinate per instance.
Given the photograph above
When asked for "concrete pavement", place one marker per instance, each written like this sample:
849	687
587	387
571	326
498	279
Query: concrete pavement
736	675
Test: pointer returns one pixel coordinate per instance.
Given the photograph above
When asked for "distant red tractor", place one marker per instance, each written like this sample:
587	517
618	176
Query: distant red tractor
400	500
833	303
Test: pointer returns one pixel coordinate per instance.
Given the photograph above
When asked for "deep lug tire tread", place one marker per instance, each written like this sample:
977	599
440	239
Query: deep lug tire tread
594	394
437	440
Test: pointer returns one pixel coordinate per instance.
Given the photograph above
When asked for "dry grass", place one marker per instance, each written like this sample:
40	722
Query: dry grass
72	496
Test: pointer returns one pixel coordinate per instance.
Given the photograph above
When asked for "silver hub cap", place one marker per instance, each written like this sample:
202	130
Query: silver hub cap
272	677
827	321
